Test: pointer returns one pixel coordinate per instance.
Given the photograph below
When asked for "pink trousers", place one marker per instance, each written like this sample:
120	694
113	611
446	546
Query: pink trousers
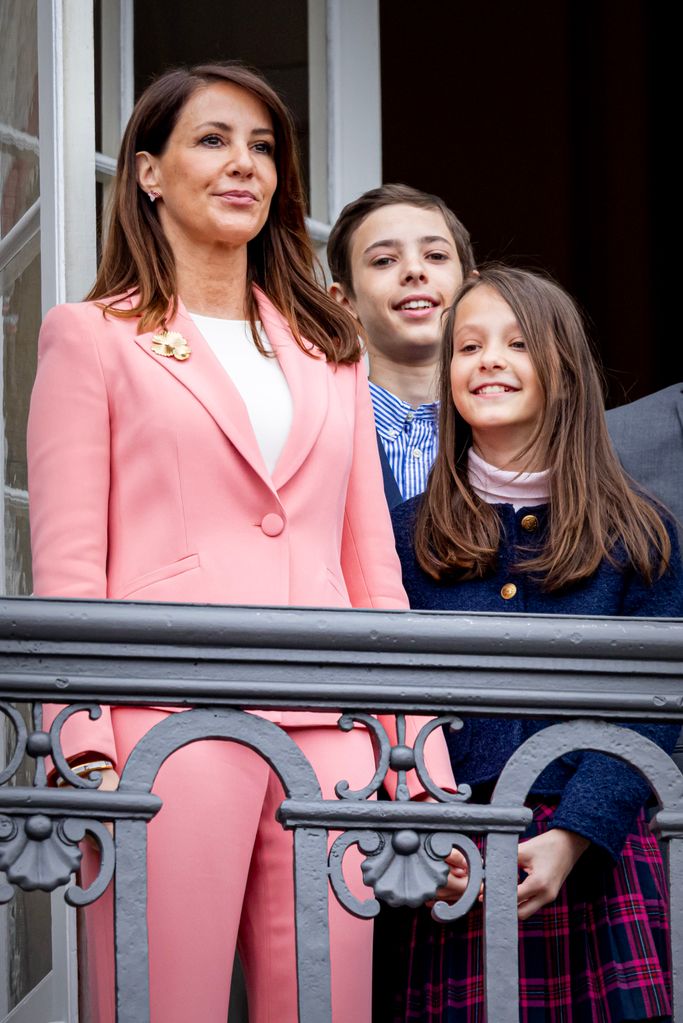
220	873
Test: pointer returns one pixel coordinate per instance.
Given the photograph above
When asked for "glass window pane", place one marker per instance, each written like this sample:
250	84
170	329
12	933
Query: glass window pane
25	920
30	943
20	326
19	178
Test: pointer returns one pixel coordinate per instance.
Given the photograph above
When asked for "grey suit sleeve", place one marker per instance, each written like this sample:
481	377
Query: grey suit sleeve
648	438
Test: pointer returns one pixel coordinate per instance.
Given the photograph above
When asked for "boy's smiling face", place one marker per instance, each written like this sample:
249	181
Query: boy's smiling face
405	270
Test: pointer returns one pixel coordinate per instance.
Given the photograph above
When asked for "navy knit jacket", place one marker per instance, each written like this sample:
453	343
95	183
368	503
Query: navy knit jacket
599	797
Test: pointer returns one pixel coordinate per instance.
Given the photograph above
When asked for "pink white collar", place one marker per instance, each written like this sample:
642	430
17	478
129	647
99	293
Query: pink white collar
501	486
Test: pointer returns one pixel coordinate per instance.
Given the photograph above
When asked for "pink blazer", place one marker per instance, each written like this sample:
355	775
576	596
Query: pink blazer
147	483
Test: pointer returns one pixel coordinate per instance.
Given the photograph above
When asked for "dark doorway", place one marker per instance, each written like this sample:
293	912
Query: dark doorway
544	126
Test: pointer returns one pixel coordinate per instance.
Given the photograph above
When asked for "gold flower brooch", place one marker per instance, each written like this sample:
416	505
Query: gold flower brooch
171	344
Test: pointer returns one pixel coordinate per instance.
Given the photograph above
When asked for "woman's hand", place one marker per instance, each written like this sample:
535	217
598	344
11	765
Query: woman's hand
110	780
109	783
547	861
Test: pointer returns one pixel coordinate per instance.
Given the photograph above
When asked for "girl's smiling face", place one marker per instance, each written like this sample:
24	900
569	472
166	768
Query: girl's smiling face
494	384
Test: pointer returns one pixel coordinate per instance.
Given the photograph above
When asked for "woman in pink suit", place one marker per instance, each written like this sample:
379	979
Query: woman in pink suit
201	431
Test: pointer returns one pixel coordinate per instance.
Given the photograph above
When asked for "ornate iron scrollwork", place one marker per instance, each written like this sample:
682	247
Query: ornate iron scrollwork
34	852
383	747
407	867
403	867
464	791
21	738
39	839
400	758
55	746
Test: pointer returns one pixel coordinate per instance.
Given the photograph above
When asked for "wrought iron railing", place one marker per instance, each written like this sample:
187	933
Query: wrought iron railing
588	674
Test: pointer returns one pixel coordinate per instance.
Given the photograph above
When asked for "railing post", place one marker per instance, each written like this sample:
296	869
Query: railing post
312	929
669	826
501	943
676	913
130	923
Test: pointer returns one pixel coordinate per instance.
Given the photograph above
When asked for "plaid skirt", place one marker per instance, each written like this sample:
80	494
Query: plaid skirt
598	954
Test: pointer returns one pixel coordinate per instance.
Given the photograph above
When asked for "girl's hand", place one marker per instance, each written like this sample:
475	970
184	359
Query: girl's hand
547	860
456	882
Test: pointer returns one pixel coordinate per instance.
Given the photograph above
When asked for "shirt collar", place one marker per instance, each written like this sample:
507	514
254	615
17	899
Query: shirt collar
392	413
501	486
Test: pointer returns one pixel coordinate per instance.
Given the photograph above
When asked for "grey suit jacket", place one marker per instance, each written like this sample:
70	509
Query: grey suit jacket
648	437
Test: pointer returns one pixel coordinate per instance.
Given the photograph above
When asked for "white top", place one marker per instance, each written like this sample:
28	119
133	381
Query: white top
259	379
501	486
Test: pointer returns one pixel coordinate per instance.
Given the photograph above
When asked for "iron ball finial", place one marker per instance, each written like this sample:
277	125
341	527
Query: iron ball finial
38	744
405	842
38	827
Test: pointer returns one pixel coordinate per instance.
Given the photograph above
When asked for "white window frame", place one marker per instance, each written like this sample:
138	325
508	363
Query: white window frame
117	86
345	112
19	246
67	149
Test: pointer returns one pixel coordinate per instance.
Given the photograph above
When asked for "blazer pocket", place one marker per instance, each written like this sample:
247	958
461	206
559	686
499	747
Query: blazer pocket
158	575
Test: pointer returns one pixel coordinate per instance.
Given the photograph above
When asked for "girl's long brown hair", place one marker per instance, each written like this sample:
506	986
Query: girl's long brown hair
137	257
593	506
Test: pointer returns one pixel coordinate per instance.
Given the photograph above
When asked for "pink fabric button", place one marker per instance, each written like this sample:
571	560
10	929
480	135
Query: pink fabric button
272	524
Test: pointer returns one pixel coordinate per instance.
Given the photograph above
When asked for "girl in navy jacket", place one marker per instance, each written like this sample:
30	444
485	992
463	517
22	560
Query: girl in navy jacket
527	509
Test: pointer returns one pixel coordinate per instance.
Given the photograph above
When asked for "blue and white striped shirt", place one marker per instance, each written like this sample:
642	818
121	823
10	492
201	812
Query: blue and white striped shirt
409	437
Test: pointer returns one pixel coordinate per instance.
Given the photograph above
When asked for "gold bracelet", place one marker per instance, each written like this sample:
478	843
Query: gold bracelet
83	769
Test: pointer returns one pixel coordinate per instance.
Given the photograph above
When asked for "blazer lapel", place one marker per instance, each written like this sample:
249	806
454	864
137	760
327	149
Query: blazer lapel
203	375
308	380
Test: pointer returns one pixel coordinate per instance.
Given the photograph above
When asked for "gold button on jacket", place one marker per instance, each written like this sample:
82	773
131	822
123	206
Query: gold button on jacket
508	591
530	523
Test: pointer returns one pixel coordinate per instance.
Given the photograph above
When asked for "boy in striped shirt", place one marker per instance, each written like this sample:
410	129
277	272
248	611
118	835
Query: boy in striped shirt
397	257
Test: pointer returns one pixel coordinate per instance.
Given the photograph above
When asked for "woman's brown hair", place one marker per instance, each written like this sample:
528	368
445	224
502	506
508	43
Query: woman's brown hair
137	257
593	506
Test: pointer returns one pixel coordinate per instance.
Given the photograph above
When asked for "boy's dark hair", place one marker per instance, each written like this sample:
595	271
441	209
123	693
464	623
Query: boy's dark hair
351	217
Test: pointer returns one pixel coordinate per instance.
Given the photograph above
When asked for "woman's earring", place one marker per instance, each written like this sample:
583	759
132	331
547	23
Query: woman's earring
153	196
